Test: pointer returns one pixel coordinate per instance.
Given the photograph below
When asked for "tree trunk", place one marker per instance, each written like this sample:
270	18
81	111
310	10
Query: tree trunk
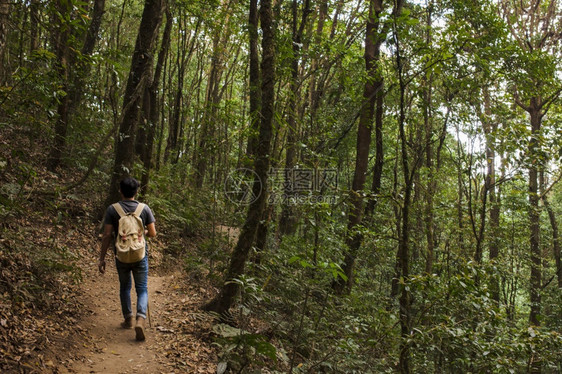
429	157
152	113
404	239
61	40
171	153
212	97
90	40
535	283
534	217
172	147
489	128
262	232
225	299
403	248
33	26
254	67
373	41
72	77
315	89
141	66
162	101
287	222
534	26
4	18
460	198
554	226
379	150
480	230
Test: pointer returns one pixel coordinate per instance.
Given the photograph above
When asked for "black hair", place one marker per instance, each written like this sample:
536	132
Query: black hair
129	187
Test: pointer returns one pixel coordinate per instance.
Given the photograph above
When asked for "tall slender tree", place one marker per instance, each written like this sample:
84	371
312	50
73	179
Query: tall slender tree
287	221
151	105
374	37
139	77
254	77
83	67
4	18
72	67
61	36
212	96
226	297
534	28
553	225
34	30
172	144
490	126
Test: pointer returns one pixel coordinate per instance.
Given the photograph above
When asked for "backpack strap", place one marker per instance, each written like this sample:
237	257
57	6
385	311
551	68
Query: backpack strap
119	209
139	209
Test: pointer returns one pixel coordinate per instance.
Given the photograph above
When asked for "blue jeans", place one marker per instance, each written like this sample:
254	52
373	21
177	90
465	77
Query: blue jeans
140	274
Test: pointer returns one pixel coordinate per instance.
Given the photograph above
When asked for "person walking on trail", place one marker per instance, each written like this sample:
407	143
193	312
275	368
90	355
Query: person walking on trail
129	221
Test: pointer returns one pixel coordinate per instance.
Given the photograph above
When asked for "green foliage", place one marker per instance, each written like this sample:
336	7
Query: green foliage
239	347
331	268
463	66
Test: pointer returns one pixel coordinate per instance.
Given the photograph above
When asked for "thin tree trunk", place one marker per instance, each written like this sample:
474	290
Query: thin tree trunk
373	41
315	89
404	239
429	158
554	226
162	117
83	68
489	129
225	299
480	230
460	198
394	285
61	40
379	150
72	77
152	113
172	147
535	28
287	223
141	66
254	75
534	217
33	26
94	28
262	233
4	18
212	97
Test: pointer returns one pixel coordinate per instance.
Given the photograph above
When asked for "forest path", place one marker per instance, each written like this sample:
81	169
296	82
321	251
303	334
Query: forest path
175	343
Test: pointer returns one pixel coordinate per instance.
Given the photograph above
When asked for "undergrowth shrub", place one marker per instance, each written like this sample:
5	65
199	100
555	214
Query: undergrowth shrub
479	337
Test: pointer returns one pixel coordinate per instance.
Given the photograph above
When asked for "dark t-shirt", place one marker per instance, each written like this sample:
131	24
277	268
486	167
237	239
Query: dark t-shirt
112	217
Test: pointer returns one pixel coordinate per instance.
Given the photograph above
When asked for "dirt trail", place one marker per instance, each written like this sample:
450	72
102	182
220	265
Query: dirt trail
173	344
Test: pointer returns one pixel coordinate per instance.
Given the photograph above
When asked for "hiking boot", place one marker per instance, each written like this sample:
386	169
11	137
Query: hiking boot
128	323
139	329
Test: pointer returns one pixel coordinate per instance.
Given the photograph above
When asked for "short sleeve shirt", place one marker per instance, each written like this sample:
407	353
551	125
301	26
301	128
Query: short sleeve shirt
112	217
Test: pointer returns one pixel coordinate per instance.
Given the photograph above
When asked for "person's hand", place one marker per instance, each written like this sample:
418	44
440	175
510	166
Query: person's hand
101	266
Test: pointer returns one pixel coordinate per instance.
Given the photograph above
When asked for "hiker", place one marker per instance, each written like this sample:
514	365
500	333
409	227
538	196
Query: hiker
130	249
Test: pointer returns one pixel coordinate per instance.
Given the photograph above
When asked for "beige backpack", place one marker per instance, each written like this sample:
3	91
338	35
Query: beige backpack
130	243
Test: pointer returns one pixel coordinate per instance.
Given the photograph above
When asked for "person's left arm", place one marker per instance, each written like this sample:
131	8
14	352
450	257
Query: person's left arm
150	228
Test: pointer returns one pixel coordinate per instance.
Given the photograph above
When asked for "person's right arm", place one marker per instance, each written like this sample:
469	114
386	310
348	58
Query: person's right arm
105	243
